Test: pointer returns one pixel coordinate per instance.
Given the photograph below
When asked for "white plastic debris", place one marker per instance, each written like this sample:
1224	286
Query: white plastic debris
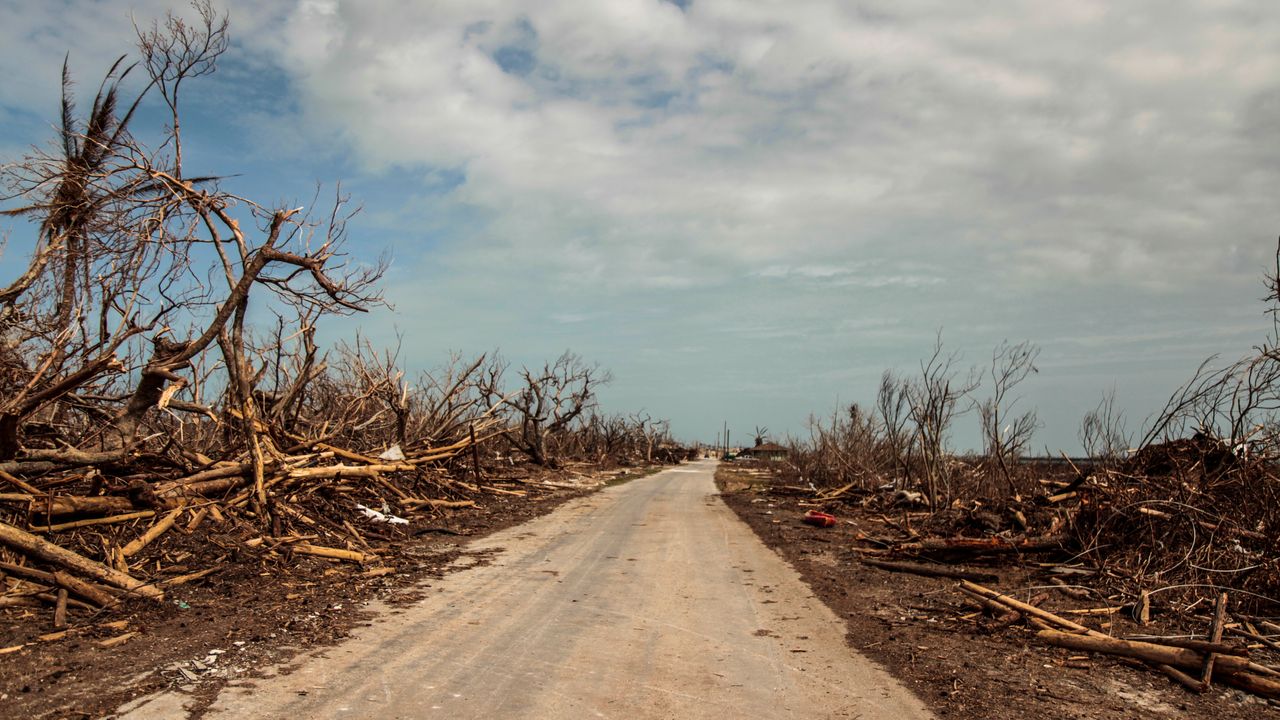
382	517
393	454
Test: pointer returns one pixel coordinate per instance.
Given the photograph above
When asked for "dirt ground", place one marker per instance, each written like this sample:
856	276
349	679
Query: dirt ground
914	627
260	609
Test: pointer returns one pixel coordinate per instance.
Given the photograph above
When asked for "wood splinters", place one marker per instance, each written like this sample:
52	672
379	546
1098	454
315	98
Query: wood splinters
328	552
60	610
184	579
117	640
1215	636
151	534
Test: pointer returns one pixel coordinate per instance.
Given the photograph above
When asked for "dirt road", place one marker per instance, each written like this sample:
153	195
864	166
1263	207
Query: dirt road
646	600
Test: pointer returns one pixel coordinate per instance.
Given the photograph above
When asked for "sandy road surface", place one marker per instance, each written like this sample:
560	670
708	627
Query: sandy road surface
646	600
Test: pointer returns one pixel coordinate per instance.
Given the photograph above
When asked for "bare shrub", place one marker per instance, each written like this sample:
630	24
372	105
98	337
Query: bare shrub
893	405
1102	430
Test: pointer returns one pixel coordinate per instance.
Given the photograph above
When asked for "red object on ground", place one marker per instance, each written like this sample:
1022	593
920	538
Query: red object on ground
821	519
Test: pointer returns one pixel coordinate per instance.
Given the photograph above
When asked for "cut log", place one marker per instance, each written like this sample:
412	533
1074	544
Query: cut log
197	518
184	579
93	521
71	504
1254	637
1003	615
228	476
335	471
152	533
1256	684
29	573
1022	607
832	494
1203	646
92	593
1180	677
117	640
394	490
208	487
41	549
60	610
1215	636
930	570
419	502
501	491
981	546
328	552
347	454
1093	611
24	487
52	598
1149	652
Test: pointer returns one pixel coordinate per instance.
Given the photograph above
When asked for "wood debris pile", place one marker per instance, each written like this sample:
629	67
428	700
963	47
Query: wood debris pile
86	538
1232	650
1181	517
1143	555
1168	526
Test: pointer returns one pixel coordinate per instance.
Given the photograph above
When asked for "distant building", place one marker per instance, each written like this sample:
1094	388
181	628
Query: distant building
765	451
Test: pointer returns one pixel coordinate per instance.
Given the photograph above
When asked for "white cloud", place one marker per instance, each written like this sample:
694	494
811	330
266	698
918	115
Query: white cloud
801	132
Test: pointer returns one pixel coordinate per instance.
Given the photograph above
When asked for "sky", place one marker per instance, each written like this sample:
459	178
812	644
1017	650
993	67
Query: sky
747	211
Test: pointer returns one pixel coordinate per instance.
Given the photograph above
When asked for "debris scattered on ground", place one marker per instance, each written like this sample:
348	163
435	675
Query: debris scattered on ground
1084	565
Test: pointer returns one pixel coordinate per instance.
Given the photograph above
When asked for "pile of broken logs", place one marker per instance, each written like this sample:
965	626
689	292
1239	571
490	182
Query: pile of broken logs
1193	662
1179	517
1176	528
78	540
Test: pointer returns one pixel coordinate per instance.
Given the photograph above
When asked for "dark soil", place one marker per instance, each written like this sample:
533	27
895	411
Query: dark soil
258	610
924	632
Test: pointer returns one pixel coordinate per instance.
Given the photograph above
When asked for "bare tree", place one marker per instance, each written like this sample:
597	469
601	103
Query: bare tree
935	402
651	433
1005	435
546	402
141	269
